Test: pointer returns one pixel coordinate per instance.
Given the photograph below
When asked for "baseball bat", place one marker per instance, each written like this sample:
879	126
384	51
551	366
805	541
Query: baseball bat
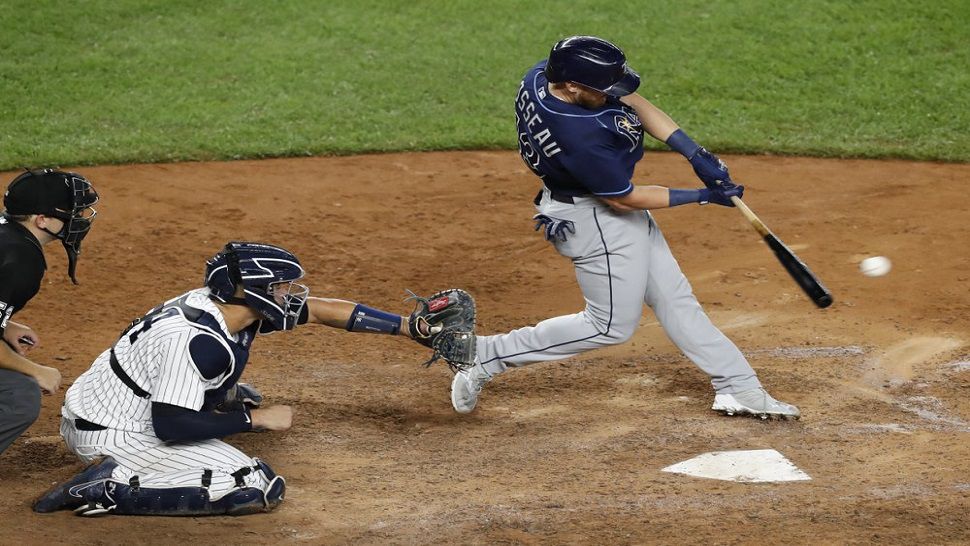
807	280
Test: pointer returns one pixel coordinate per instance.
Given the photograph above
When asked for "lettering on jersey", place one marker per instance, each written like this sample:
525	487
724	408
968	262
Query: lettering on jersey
550	149
629	126
532	131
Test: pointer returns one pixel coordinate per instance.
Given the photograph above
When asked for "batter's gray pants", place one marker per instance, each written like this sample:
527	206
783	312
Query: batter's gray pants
622	261
19	405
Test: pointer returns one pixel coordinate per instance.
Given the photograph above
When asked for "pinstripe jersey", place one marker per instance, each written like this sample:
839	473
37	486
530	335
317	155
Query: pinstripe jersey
154	353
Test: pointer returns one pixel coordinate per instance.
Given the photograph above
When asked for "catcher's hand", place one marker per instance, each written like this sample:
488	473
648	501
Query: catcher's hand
445	322
239	396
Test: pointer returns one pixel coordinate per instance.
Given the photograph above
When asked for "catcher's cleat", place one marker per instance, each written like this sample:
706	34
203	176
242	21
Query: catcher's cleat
466	386
70	494
754	402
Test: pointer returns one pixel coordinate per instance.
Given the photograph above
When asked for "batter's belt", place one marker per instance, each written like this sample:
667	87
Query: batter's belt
561	197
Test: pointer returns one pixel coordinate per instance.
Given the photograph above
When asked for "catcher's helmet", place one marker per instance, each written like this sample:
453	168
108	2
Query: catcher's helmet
593	62
67	196
266	273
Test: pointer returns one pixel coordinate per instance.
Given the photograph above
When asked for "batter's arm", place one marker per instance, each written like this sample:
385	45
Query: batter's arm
655	122
708	167
659	197
641	198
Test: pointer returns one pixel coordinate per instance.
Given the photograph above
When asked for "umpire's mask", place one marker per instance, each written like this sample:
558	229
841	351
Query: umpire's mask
67	196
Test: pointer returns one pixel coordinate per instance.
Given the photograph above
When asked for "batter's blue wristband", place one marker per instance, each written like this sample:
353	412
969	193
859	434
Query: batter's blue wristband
683	197
683	144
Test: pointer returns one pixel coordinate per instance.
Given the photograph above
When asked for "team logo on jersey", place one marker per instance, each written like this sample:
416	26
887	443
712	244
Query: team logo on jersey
628	125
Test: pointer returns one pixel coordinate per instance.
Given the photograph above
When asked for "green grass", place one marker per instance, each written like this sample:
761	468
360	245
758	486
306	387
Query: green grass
89	82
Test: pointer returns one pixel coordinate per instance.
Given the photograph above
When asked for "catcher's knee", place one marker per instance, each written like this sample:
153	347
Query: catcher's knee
250	500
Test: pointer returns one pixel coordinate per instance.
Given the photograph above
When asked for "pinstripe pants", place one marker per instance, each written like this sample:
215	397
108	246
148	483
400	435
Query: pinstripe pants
622	262
160	464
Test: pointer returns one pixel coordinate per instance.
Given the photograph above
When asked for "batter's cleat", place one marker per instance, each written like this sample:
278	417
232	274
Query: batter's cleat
466	386
754	402
70	494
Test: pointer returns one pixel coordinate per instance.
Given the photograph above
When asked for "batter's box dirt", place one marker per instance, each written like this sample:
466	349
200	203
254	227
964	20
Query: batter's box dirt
555	453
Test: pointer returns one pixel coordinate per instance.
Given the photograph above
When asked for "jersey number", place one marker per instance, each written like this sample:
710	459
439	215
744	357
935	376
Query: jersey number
143	324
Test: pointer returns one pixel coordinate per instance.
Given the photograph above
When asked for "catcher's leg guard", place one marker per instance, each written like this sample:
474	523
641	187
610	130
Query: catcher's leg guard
131	499
70	494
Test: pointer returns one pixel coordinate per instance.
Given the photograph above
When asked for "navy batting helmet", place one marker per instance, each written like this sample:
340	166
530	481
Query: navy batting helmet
266	273
593	62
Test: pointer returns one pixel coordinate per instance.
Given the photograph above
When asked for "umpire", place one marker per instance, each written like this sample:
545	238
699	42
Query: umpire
39	207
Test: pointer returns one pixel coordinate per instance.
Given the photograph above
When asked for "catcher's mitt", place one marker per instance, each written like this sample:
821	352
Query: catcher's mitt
445	322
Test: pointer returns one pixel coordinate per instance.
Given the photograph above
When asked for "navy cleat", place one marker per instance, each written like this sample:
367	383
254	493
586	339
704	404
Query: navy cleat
70	494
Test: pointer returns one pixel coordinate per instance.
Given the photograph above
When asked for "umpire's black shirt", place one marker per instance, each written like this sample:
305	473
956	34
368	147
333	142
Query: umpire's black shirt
22	267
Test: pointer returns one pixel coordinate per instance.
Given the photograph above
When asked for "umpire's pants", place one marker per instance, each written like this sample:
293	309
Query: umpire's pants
19	405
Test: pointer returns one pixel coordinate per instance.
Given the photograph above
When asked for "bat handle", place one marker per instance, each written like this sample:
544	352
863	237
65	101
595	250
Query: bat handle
756	222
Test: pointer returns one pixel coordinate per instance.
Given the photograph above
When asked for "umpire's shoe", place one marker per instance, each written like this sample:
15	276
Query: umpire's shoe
466	386
70	494
754	402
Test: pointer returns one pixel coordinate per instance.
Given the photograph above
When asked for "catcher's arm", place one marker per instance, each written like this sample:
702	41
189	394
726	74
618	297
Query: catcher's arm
357	317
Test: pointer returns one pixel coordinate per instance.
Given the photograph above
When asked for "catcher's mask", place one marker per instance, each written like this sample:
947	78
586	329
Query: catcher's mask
266	273
593	62
67	196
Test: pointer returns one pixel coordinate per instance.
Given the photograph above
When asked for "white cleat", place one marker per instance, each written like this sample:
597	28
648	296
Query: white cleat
466	386
754	402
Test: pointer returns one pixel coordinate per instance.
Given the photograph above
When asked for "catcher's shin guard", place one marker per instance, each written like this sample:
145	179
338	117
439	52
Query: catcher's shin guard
113	497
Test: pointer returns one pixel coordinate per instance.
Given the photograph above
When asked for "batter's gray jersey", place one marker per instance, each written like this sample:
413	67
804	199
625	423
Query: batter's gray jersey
622	261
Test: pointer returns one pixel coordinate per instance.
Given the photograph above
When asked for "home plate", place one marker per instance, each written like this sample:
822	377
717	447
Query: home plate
758	465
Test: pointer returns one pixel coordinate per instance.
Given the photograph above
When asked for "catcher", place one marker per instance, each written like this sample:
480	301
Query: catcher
149	413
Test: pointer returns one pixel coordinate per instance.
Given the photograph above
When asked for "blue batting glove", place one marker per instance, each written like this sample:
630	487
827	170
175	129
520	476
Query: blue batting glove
722	194
709	168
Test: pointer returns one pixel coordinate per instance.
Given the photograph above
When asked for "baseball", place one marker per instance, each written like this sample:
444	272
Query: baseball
876	266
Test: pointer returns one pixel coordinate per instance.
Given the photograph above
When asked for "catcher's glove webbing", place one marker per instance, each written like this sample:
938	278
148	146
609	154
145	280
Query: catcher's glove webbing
445	322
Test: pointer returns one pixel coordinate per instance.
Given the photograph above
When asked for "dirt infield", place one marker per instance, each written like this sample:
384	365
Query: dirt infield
564	452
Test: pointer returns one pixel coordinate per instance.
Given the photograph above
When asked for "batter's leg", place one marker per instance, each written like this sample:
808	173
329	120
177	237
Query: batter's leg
610	266
609	253
682	318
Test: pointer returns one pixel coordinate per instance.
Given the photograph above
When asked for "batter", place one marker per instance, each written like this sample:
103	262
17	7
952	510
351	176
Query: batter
580	130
